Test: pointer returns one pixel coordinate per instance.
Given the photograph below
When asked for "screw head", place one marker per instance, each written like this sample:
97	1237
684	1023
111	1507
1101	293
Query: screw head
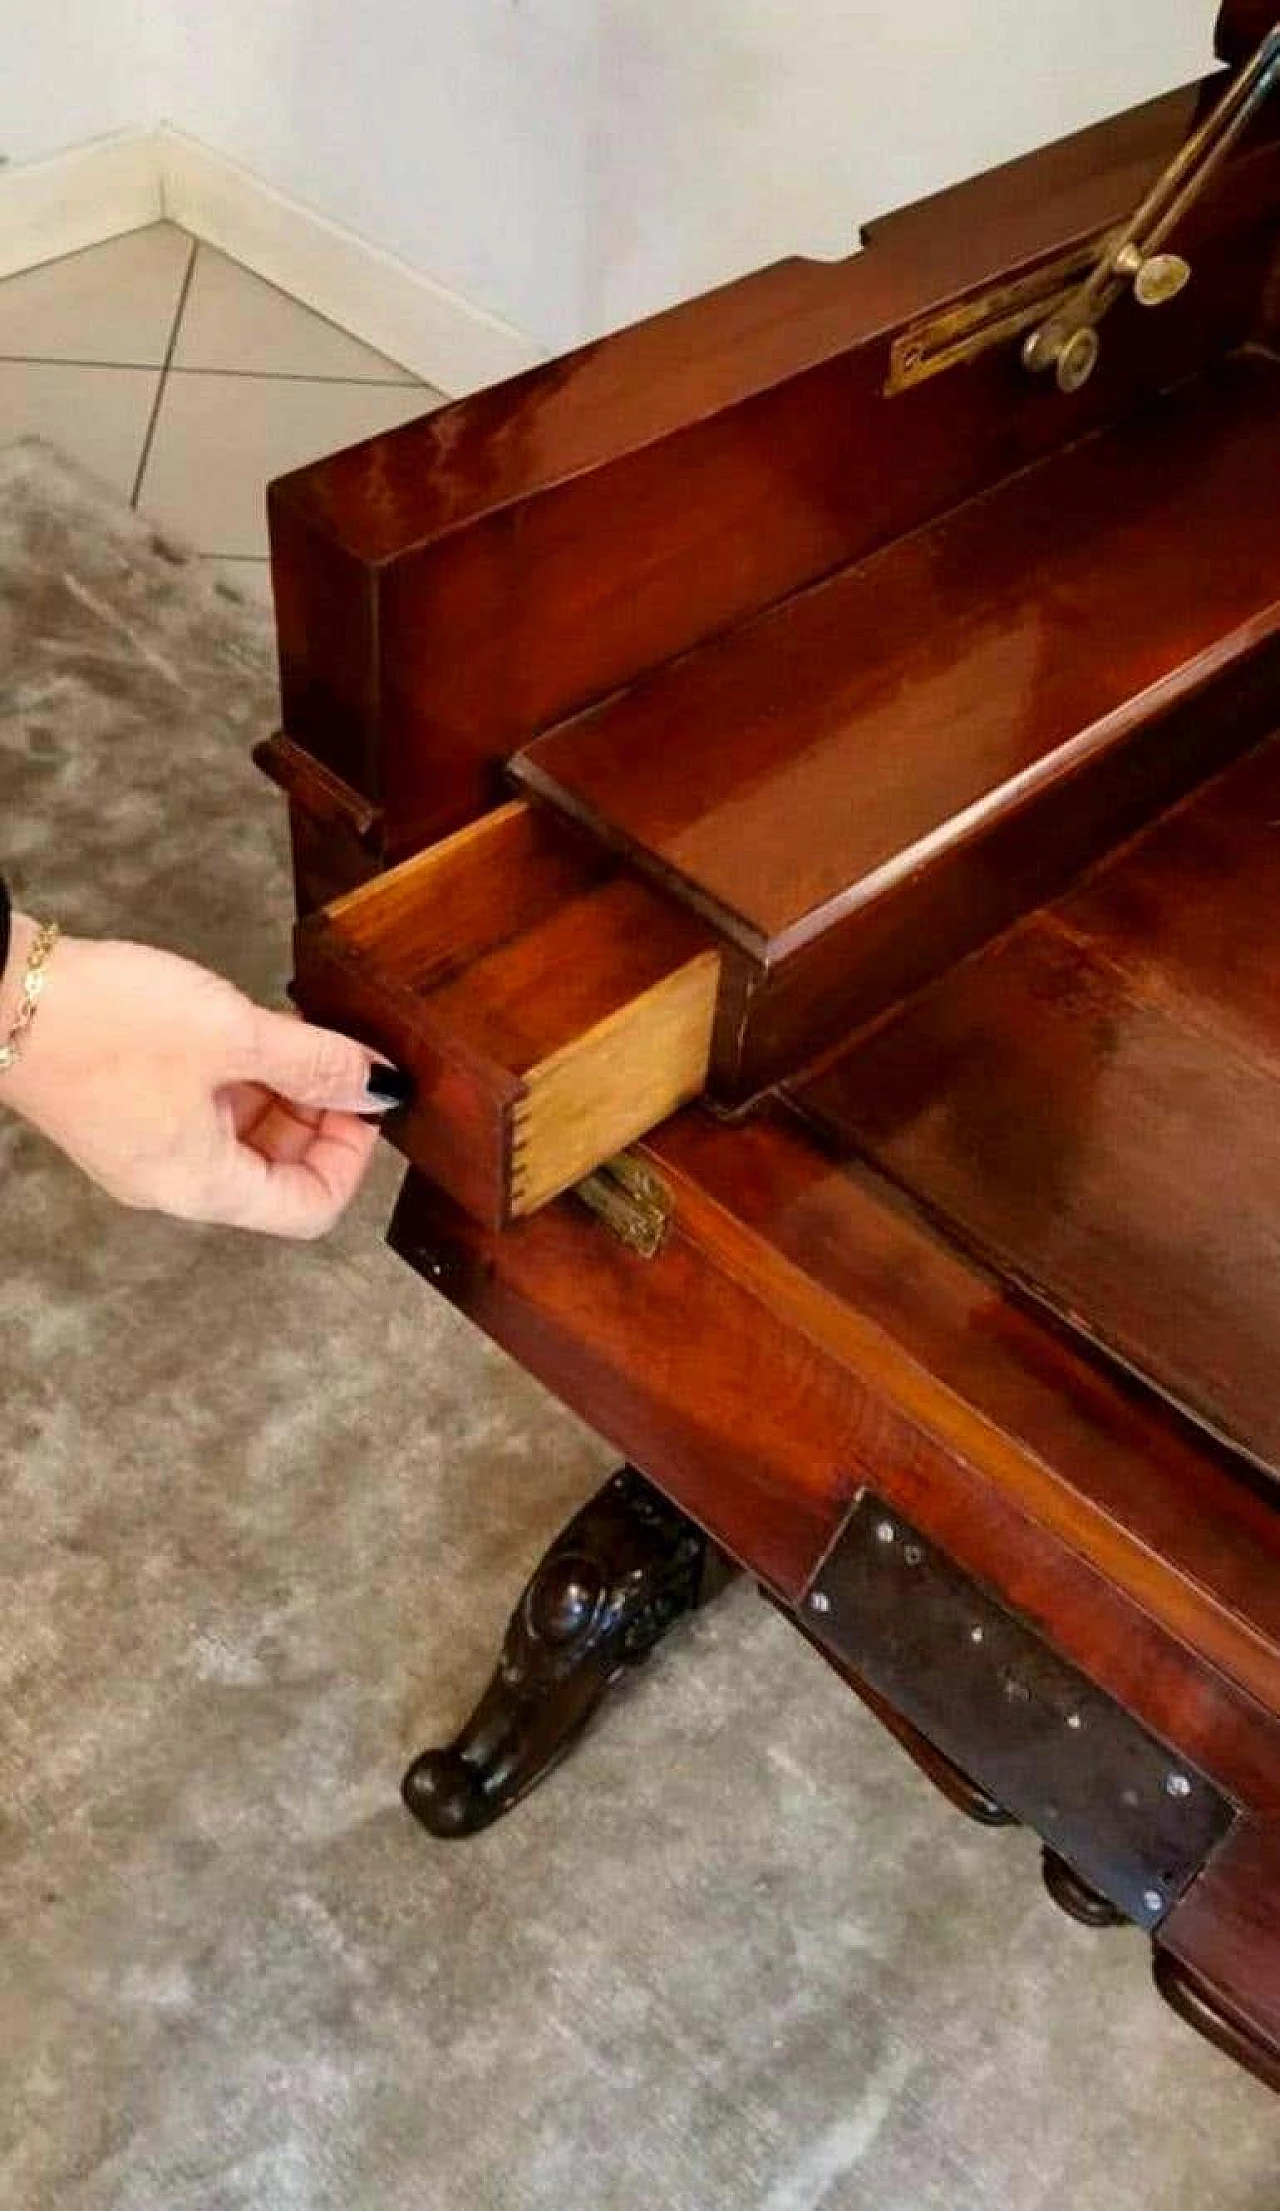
1074	1720
885	1531
1077	360
913	1554
1177	1784
1159	278
1153	1900
820	1601
976	1635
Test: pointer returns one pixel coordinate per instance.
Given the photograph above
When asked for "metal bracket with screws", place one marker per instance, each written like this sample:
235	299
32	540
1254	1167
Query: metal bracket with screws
1034	1733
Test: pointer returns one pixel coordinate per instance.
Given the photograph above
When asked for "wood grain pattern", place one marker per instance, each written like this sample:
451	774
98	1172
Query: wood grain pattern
1063	1436
1226	1935
798	1337
852	788
489	883
328	858
1095	1105
1187	911
612	509
321	793
549	1009
815	760
665	1353
613	1082
928	656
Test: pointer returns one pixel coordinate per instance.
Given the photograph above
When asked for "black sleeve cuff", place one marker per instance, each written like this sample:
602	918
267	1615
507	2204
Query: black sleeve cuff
4	928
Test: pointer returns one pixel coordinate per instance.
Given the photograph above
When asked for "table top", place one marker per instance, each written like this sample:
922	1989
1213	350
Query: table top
1092	1105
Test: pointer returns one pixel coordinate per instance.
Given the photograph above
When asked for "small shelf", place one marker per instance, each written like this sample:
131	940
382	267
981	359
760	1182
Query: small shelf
890	766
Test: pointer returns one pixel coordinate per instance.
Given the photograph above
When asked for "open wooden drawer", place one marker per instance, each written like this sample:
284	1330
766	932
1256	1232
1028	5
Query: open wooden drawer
550	1007
728	867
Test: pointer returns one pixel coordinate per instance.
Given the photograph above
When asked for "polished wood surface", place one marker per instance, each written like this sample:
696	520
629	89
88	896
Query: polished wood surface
872	678
1225	1938
1186	909
1094	1105
835	770
857	788
792	771
1217	2019
798	1338
447	590
852	791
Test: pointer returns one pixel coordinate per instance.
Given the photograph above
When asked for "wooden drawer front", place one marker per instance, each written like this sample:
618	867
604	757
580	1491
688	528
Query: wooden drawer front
549	1007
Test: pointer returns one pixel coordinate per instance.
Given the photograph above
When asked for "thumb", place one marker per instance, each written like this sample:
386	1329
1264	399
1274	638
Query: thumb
317	1067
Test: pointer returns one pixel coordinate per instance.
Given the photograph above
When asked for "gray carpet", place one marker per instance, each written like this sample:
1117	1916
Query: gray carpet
265	1510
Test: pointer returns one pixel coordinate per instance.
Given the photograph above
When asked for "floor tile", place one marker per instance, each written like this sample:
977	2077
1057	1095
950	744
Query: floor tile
115	302
241	579
220	439
97	416
234	320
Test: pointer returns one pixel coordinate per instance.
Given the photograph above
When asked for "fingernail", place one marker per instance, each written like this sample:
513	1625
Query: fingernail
388	1087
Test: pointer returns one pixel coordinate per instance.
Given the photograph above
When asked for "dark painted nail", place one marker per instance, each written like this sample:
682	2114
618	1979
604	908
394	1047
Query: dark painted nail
388	1087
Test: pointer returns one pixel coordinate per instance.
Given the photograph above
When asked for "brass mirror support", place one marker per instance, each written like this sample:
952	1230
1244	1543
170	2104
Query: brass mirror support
1067	342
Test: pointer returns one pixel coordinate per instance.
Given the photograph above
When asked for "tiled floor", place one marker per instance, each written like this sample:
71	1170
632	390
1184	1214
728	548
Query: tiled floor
187	383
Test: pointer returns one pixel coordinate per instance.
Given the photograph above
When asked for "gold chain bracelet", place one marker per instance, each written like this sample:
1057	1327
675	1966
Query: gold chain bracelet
33	982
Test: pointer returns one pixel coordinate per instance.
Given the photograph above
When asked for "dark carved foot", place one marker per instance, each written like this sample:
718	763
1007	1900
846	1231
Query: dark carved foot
1206	2012
955	1785
626	1568
1075	1896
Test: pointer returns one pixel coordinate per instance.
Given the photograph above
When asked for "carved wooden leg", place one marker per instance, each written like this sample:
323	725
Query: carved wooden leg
1074	1896
954	1784
626	1568
1205	2011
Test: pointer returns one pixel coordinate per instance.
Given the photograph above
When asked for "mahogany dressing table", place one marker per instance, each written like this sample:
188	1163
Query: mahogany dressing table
797	783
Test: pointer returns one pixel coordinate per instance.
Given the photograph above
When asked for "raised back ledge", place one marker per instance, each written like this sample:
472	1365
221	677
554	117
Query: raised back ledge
825	776
395	493
767	950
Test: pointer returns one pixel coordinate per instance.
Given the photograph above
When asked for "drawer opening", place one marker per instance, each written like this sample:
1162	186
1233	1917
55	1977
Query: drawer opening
551	1007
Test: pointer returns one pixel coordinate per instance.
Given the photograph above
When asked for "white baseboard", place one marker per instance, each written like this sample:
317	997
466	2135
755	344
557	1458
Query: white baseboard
97	191
436	334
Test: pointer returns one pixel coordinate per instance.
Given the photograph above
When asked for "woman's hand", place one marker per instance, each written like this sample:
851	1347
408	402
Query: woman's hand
176	1092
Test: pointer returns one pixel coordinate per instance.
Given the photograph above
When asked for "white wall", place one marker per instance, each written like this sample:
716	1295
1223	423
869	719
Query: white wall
725	133
72	70
570	164
449	132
